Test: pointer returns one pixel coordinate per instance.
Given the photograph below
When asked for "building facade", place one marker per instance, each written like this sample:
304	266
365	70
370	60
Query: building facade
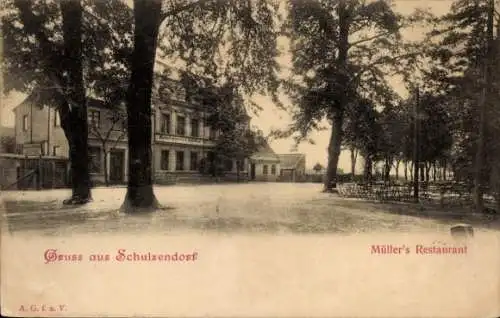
182	143
264	164
38	130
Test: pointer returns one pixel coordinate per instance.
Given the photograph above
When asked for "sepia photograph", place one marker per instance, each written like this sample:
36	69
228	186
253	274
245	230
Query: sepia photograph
250	158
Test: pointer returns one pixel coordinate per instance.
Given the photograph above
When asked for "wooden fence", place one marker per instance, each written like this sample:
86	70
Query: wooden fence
22	172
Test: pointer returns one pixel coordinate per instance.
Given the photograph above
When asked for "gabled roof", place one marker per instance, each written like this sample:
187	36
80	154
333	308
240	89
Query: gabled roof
28	99
265	148
290	160
265	152
91	102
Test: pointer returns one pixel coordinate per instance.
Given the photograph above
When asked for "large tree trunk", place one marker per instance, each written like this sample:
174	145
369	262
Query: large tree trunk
213	165
406	170
434	171
354	156
237	171
445	163
73	46
69	91
485	97
106	175
367	173
396	167
387	170
334	152
427	171
140	195
334	146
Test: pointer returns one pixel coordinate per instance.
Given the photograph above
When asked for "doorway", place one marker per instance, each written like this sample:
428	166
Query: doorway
252	171
116	165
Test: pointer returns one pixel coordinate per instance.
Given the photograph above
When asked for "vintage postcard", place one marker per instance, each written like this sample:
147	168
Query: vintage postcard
261	158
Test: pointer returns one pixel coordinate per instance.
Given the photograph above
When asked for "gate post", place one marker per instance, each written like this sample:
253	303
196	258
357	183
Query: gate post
38	173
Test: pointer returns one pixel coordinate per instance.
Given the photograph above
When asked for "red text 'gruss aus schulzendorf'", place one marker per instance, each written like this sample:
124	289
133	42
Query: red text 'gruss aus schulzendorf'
121	255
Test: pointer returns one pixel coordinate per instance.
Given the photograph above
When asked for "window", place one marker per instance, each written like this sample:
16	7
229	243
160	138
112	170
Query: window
229	165
45	148
240	165
264	169
124	124
54	150
195	127
211	133
194	161
95	159
179	163
117	126
165	123
94	119
118	122
25	123
181	126
273	169
57	119
210	156
164	159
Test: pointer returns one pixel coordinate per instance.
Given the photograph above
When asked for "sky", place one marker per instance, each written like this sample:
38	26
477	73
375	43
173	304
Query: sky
272	118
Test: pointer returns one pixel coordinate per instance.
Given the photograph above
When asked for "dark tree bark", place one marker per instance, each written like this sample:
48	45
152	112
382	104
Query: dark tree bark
427	171
334	146
445	163
140	196
485	97
106	175
73	46
397	170
354	156
434	173
387	170
368	170
69	91
406	170
237	171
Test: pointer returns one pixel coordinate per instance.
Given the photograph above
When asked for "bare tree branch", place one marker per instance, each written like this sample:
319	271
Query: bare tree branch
120	137
371	38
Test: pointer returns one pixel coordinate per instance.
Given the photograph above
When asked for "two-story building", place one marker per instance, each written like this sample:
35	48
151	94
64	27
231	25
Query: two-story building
182	141
38	131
